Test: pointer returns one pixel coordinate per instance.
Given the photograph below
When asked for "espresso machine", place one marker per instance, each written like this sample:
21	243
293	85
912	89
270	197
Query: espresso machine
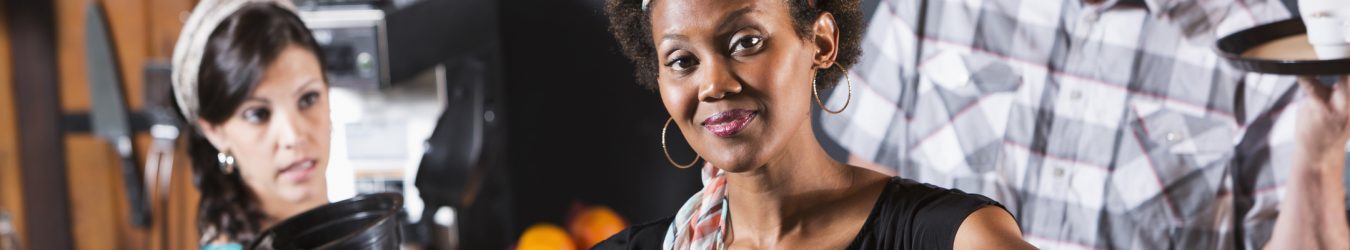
415	91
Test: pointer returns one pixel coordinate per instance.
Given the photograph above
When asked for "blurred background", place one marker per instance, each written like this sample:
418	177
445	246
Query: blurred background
488	116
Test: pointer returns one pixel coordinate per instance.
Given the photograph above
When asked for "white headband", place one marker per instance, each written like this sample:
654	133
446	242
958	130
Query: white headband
187	53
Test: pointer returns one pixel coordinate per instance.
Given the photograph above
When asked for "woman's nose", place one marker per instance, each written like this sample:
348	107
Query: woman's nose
718	82
289	131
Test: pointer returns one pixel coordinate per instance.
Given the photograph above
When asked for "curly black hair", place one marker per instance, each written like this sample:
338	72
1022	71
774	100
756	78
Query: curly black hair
631	26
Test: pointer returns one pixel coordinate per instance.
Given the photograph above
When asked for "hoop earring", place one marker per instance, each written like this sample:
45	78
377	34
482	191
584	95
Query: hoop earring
667	151
815	93
226	162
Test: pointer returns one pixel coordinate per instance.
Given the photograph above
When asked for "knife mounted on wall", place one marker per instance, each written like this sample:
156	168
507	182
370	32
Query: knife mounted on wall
109	116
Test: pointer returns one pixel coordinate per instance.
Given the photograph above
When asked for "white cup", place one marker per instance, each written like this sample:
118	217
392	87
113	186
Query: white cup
1328	23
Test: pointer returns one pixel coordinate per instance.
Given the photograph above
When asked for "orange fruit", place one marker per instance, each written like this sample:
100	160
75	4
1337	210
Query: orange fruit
545	236
595	224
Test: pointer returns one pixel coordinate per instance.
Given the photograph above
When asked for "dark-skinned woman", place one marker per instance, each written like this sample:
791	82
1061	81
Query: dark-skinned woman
738	78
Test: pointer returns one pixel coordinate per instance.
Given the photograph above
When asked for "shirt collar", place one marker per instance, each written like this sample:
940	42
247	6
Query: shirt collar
1154	6
1198	18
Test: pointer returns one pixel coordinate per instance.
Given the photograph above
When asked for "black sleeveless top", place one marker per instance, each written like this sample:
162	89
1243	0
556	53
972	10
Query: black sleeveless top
907	215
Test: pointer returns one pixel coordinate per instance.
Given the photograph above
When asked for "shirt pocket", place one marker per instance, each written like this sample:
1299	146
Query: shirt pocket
1181	137
1170	172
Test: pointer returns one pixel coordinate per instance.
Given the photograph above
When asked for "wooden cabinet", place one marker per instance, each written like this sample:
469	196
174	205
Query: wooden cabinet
11	195
143	31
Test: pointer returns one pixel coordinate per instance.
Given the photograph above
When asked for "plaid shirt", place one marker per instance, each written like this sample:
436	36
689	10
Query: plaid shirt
1100	126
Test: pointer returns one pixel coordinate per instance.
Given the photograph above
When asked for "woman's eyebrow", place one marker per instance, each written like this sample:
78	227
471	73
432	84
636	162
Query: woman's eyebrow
302	86
726	21
669	37
674	37
723	24
261	99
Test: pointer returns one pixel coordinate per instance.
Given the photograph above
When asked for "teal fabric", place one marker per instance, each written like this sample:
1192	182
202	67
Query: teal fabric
225	246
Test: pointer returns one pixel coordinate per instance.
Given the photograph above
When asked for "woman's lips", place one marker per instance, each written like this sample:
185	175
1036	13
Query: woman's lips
300	171
728	123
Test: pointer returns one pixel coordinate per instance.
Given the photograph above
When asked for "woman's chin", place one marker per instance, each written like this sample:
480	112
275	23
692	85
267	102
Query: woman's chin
732	156
732	163
305	193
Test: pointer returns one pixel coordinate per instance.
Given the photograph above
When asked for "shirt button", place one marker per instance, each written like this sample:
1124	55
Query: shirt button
1173	136
1075	95
1090	15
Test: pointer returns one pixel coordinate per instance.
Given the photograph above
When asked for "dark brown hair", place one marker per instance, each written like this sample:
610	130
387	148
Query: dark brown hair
631	26
239	50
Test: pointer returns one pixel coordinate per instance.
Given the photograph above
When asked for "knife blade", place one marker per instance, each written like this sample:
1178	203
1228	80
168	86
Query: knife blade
109	114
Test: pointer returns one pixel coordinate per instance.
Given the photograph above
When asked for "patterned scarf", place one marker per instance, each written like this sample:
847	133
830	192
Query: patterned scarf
700	223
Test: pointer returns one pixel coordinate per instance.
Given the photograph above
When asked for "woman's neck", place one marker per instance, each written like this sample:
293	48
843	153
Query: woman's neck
277	211
778	199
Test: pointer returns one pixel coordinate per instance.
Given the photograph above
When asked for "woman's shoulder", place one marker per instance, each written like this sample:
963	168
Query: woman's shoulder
905	192
919	215
650	235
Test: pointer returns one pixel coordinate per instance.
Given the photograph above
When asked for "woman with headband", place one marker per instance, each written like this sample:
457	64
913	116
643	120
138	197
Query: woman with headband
738	79
248	80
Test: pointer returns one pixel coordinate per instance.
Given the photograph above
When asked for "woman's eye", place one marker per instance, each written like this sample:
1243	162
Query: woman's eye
256	115
308	99
680	63
745	44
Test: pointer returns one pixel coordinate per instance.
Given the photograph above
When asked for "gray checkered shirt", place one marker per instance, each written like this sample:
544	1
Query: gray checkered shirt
1106	126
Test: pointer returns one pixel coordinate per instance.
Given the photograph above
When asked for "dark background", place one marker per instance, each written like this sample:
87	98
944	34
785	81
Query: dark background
581	128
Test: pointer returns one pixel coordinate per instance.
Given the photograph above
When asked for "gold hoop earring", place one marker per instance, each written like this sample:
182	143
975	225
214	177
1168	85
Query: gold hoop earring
667	151
226	162
846	101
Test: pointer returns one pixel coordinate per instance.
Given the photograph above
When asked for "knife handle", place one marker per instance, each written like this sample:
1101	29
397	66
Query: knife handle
135	187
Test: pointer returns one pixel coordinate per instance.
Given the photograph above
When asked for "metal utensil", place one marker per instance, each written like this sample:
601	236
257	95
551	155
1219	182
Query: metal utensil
109	114
9	239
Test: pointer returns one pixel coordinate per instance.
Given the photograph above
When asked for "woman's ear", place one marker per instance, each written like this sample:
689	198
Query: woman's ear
826	37
215	134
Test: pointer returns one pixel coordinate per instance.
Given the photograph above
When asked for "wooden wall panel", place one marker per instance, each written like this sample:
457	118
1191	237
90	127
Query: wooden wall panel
92	173
165	20
94	192
127	22
36	90
143	31
70	55
181	231
11	189
183	198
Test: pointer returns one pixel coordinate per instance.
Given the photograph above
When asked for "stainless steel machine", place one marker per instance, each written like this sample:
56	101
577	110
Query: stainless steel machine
374	44
414	92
